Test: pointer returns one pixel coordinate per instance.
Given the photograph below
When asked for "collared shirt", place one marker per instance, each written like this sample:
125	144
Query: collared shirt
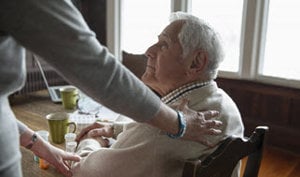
182	91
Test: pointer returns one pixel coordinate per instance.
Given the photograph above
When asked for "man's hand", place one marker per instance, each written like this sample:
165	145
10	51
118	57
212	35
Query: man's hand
96	131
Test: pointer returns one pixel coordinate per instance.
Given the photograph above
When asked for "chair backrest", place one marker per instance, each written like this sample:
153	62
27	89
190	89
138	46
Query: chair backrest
136	63
223	160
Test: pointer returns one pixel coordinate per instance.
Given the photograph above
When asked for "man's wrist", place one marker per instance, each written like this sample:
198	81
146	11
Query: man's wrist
117	128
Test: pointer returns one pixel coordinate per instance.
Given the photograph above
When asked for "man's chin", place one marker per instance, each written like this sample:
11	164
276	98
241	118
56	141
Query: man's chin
148	78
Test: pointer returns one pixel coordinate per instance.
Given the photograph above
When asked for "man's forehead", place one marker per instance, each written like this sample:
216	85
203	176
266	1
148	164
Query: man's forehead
166	36
172	30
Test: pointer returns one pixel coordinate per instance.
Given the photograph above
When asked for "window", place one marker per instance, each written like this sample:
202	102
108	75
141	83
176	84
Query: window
142	22
281	53
226	18
260	37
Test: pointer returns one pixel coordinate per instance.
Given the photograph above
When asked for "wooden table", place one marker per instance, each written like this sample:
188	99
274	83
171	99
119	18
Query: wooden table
31	110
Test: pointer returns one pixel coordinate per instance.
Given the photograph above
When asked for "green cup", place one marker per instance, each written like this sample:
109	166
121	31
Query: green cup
69	96
59	125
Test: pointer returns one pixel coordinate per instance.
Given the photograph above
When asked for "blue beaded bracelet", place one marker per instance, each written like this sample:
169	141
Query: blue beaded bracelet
181	125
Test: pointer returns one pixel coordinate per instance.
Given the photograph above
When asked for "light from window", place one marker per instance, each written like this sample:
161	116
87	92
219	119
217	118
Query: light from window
281	56
142	22
226	18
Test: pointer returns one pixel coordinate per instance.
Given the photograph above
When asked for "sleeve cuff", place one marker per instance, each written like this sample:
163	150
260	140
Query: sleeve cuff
118	128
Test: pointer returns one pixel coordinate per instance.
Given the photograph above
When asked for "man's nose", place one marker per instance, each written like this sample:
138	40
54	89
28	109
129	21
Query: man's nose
150	52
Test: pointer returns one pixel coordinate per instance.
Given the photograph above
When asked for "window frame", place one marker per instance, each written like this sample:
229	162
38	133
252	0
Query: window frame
113	21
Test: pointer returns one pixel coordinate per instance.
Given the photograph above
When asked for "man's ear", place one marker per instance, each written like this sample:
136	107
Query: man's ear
199	62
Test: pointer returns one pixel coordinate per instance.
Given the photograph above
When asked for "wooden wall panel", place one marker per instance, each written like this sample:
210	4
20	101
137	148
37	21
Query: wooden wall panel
274	109
295	114
263	104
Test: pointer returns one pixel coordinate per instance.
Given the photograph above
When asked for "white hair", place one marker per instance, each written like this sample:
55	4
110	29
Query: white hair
197	34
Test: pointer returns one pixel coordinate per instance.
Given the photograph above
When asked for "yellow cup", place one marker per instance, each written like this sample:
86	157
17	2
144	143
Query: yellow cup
69	96
59	125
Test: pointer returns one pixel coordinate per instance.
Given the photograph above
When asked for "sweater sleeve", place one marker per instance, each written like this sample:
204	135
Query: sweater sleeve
87	146
56	31
118	128
84	148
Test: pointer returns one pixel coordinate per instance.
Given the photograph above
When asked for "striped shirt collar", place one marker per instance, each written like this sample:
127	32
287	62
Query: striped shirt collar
182	91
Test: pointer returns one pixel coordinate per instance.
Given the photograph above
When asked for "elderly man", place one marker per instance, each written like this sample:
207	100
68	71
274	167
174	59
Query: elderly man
181	65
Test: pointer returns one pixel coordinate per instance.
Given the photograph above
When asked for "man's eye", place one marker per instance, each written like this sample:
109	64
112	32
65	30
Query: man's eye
164	46
161	45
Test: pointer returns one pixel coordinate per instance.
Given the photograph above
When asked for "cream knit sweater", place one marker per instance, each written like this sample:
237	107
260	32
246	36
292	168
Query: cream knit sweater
145	151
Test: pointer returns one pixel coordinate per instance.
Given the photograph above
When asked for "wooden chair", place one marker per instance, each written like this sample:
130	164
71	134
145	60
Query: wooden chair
136	63
223	160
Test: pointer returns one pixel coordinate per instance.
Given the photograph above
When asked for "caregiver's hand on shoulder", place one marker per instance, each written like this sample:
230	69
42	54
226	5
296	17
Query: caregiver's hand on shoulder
199	124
